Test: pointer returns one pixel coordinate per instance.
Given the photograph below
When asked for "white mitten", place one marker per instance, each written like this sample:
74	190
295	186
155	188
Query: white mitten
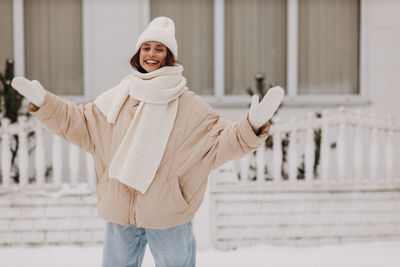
32	90
261	112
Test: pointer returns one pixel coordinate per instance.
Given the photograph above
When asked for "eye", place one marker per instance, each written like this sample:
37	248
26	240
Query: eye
146	48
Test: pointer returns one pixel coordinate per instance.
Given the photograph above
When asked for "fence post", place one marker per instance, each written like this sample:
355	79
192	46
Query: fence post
389	149
5	153
325	155
57	160
373	152
310	150
292	153
73	164
277	155
23	157
260	161
40	163
357	146
244	169
341	146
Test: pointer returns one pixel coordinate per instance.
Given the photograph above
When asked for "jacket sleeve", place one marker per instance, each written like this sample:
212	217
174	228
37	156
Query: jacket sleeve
66	119
229	141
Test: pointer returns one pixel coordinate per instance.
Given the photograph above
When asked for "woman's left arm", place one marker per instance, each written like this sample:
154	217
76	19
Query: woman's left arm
229	141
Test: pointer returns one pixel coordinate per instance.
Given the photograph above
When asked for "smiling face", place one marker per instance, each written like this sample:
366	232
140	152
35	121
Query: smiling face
152	55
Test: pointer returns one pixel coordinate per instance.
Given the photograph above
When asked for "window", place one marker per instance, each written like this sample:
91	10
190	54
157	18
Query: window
328	47
194	34
310	47
53	44
255	42
6	40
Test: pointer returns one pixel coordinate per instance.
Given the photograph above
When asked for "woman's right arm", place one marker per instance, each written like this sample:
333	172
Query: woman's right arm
63	118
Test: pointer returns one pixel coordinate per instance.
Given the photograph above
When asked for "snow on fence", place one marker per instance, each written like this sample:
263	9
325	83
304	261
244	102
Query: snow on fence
321	180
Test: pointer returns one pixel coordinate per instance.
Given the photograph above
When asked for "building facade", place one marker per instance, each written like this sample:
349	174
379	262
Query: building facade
324	53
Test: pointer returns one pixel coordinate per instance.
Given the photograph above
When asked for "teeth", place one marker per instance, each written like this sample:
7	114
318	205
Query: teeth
151	62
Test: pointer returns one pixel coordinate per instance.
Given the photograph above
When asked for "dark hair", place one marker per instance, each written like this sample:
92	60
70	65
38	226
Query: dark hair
135	63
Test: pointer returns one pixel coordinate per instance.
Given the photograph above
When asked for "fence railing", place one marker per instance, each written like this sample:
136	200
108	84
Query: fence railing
335	149
26	163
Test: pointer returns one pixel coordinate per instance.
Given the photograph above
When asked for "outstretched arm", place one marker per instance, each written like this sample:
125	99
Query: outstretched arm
228	141
63	118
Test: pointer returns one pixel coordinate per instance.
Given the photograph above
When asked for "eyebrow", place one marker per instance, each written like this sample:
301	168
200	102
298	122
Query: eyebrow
159	45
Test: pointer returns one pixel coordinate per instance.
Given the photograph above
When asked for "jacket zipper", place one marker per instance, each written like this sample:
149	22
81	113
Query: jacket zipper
132	216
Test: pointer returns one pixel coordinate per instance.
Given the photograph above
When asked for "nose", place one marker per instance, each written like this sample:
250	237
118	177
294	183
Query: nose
151	53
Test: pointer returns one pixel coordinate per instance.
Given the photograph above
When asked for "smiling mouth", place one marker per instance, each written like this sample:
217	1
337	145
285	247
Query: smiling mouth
151	62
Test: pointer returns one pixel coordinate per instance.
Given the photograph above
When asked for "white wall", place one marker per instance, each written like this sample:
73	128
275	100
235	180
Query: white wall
111	29
42	220
382	44
303	219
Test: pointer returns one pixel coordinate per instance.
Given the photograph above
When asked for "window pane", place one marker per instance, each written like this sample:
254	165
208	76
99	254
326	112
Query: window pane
53	44
255	43
194	34
6	28
328	46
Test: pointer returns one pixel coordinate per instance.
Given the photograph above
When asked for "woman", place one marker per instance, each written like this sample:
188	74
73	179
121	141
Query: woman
154	143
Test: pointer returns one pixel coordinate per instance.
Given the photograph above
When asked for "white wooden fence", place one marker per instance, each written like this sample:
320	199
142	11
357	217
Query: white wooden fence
366	148
46	195
28	173
355	149
261	198
350	195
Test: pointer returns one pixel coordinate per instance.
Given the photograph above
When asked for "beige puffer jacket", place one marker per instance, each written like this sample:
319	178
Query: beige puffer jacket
200	141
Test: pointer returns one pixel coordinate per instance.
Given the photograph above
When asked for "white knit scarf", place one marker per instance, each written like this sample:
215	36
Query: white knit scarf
138	156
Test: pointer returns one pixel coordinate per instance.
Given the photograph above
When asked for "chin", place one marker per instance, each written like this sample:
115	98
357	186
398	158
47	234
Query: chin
151	69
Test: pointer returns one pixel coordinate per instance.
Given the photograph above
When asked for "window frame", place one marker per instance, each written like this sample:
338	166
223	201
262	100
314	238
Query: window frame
19	49
292	97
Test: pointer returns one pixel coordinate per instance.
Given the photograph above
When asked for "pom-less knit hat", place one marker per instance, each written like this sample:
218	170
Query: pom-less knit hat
160	29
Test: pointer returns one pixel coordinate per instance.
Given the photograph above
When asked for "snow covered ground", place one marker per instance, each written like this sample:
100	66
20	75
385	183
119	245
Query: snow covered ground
378	254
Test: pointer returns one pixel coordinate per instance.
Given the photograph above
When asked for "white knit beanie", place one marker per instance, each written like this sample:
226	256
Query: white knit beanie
160	29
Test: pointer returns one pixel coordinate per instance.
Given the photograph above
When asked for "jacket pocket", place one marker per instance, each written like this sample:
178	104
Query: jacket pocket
177	195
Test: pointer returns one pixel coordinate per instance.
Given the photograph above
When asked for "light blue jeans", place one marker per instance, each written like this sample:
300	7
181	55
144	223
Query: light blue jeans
172	247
